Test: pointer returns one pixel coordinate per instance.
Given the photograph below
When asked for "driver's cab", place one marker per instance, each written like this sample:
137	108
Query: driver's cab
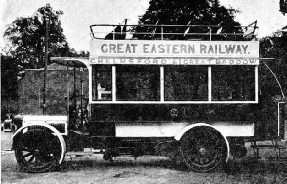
77	94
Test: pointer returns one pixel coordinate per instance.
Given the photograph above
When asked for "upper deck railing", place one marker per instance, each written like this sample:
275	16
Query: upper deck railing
173	32
221	44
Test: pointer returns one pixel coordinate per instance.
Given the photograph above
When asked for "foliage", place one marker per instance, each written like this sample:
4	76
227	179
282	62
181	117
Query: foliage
8	77
9	92
181	12
275	47
26	36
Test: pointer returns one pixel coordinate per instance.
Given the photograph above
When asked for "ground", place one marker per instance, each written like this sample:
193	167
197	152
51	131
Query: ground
126	170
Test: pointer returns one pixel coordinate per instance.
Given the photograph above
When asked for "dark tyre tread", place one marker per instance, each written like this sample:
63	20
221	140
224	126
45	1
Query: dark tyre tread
203	149
37	150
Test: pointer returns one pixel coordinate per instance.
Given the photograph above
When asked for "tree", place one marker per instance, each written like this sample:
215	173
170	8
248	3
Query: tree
186	12
274	46
26	36
8	77
9	87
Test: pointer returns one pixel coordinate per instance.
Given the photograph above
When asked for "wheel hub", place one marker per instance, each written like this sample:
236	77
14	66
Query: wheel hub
202	151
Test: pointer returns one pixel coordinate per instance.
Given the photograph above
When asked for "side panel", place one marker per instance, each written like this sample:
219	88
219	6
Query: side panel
235	129
170	112
153	120
167	129
164	129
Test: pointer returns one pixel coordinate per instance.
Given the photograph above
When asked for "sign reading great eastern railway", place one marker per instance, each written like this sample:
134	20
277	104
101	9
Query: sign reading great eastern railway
174	52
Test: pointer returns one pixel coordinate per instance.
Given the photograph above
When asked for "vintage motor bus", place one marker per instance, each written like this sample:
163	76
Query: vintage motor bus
193	99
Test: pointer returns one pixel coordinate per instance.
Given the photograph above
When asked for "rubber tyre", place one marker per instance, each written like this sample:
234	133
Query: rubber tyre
37	149
203	149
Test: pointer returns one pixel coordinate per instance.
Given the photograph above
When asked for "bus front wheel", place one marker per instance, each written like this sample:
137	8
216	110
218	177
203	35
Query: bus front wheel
203	149
37	149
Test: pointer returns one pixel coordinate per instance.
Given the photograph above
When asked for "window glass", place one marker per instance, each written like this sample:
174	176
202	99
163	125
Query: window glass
186	83
233	83
102	82
137	83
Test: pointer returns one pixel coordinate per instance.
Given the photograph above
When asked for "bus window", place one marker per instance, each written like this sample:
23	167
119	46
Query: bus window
186	83
102	82
138	83
233	83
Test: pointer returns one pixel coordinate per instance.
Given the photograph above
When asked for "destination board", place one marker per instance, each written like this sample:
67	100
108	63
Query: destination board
174	52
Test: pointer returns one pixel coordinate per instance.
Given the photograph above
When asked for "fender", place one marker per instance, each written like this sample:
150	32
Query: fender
53	129
187	128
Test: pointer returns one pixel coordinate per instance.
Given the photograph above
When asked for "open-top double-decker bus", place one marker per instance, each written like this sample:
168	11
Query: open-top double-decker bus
193	99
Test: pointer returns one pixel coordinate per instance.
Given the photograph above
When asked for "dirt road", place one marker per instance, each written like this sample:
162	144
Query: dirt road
157	170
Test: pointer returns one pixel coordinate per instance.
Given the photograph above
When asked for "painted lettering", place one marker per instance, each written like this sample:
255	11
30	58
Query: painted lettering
252	61
161	48
175	49
183	48
238	49
168	47
210	50
147	61
244	47
153	50
163	61
217	61
145	48
134	47
220	51
229	49
104	48
120	48
113	48
122	61
100	60
203	49
128	49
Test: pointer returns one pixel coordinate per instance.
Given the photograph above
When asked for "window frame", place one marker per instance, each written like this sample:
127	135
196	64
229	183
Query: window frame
188	71
162	94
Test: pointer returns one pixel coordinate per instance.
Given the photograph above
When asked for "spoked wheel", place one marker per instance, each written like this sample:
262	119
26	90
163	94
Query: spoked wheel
203	149
37	149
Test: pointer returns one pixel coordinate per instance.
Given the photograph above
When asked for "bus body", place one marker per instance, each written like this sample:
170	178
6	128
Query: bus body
194	100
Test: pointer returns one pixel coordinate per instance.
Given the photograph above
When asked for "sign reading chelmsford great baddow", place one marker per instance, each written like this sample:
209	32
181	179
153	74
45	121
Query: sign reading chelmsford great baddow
157	52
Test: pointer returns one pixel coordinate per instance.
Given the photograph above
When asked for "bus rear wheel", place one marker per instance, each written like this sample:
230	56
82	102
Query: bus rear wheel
37	149
203	149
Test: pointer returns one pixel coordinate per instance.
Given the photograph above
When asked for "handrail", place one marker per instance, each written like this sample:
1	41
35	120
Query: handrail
210	30
164	25
276	80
